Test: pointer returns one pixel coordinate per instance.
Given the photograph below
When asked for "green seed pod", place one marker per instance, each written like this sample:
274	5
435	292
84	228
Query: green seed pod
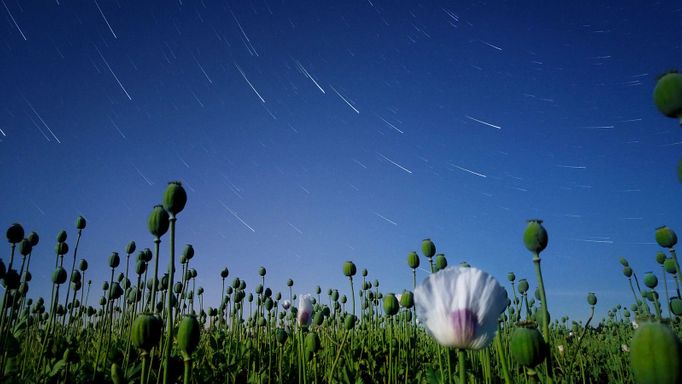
669	266
114	260
175	198
188	335
441	261
242	285
349	322
624	262
76	277
650	280
539	314
318	319
364	272
130	248
27	276
23	289
666	237
224	273
25	247
33	238
535	236
660	257
80	223
591	299
428	248
177	288
335	295
290	283
312	342
15	233
656	355
391	305
349	269
158	221
146	331
668	94
11	280
61	249
116	291
58	276
527	346
188	252
261	271
117	375
140	267
627	271
511	276
407	299
268	304
413	260
676	306
200	291
344	299
61	236
83	265
523	286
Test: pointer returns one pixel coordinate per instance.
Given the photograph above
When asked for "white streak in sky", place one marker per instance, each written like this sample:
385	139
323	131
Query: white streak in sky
385	218
105	20
468	170
308	75
599	127
572	166
14	21
247	41
3	132
38	208
117	128
595	241
143	176
202	70
304	189
250	85
41	120
394	163
112	72
390	125
236	216
344	99
359	163
482	122
295	228
491	45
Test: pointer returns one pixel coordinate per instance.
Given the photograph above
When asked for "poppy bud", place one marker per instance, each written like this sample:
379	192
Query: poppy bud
349	269
535	236
655	354
158	221
15	233
80	223
174	198
428	248
668	94
130	248
188	335
413	260
666	237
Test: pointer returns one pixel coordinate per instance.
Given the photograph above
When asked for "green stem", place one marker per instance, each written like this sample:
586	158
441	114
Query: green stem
545	317
462	372
188	371
501	356
169	306
352	293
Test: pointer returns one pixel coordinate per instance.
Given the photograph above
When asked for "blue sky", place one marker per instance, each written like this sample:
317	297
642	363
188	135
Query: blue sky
309	133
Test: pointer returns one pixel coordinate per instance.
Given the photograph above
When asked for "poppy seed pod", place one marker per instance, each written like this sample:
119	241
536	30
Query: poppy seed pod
666	237
669	266
668	94
349	322
290	283
660	257
15	233
624	262
428	248
650	280
511	276
146	332
61	249
61	236
11	279
174	198
114	260
33	238
224	273
130	248
158	221
188	335
281	336
349	269
140	267
83	265
25	247
591	299
80	223
627	271
523	286
413	260
655	354
527	346
676	306
188	252
364	272
58	276
261	271
441	262
407	299
312	344
535	236
391	305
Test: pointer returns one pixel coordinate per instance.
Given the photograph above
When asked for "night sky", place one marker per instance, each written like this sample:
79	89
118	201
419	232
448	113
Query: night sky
308	133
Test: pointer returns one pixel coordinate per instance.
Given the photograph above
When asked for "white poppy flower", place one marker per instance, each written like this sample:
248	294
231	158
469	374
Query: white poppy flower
305	310
460	306
286	304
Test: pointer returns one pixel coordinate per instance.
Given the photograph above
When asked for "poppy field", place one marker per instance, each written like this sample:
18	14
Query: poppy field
460	325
